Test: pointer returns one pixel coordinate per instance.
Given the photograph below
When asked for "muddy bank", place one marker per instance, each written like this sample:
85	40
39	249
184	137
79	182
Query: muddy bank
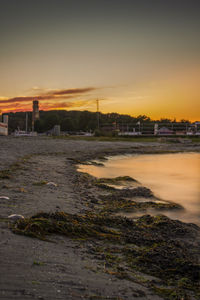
79	266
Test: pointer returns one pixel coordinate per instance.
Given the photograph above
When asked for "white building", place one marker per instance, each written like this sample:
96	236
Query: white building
4	126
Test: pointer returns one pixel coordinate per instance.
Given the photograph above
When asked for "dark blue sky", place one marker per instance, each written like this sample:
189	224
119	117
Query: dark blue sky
61	43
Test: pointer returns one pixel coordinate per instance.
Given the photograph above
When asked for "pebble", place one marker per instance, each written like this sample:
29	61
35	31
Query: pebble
52	184
15	217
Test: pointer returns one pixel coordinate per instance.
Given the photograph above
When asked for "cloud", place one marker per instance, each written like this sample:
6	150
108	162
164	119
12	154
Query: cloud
71	91
15	106
49	99
31	98
49	95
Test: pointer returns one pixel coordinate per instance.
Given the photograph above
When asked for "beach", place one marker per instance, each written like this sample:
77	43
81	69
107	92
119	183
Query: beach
39	174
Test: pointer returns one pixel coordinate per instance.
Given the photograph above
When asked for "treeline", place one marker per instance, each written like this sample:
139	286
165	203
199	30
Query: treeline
74	121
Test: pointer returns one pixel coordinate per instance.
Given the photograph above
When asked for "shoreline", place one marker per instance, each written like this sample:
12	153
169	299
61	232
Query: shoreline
115	166
69	267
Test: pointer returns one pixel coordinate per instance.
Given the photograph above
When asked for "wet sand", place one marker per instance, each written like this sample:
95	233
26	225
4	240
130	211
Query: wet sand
66	269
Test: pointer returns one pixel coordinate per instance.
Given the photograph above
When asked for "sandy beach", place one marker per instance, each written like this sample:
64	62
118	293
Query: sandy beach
66	268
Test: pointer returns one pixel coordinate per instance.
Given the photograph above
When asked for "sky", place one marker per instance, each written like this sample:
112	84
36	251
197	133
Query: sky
138	57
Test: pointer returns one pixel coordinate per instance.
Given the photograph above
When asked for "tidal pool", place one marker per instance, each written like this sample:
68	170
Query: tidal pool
171	177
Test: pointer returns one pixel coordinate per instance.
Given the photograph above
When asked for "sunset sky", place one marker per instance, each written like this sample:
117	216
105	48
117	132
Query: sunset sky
137	56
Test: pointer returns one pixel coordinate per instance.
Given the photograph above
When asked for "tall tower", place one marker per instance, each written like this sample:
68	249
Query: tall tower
35	113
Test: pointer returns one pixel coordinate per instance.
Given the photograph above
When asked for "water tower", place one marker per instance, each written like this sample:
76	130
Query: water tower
35	113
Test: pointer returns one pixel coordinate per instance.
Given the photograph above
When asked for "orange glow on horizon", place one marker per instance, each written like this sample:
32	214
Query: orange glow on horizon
156	115
172	97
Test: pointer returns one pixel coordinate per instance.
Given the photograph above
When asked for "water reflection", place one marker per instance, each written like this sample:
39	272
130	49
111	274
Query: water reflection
172	177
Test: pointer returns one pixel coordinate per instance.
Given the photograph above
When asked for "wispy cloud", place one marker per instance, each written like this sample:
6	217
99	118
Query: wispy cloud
49	95
71	91
31	98
54	96
13	106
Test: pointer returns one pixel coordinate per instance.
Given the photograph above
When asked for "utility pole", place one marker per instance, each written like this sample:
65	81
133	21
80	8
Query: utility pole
98	114
26	122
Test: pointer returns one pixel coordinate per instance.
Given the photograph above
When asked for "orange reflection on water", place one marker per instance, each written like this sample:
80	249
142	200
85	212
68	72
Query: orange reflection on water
172	177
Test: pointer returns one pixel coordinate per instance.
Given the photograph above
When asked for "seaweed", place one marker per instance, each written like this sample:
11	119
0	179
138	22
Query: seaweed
5	174
152	245
116	180
40	183
73	226
126	192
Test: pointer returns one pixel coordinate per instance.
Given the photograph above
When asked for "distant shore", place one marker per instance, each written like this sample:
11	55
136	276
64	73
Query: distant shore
71	267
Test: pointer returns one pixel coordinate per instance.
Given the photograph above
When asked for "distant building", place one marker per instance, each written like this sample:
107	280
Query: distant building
156	129
56	130
35	113
164	131
24	133
180	132
4	125
130	133
108	127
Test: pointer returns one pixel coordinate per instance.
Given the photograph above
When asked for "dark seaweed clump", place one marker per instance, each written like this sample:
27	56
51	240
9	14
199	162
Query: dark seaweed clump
5	174
156	246
74	226
123	200
116	180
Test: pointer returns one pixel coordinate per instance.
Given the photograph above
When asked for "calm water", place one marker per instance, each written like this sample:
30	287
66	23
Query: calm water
172	177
